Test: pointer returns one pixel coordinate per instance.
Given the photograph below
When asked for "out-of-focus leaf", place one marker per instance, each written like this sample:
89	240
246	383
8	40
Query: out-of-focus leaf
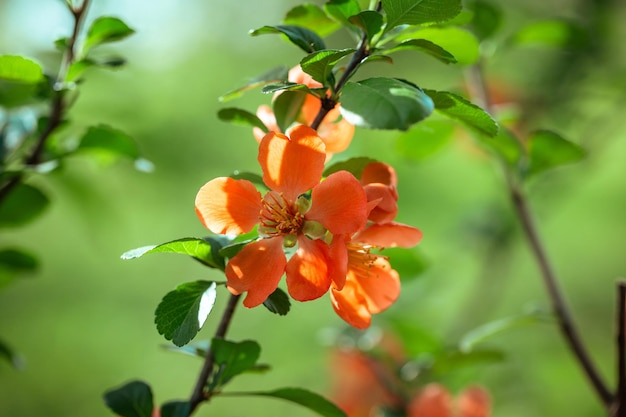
106	29
249	176
242	117
505	145
232	359
384	103
278	302
419	12
133	399
548	150
287	107
424	139
409	263
14	262
8	354
319	65
284	86
182	312
342	10
305	39
486	18
197	349
416	339
462	44
461	109
369	21
108	144
352	165
427	47
20	80
62	43
555	32
305	398
199	249
175	409
272	76
23	204
312	17
448	361
77	68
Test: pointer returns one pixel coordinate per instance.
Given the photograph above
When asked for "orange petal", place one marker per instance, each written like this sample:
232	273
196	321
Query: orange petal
338	261
474	402
307	270
265	113
296	75
292	165
390	235
339	203
379	172
228	206
351	306
380	285
433	401
386	209
257	269
337	136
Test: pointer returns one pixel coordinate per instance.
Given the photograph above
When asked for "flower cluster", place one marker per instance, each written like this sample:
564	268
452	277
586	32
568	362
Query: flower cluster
322	233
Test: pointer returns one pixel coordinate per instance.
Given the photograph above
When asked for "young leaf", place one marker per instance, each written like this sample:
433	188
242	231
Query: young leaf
419	12
342	10
384	103
353	165
14	262
175	409
278	302
310	16
320	64
107	142
20	79
505	145
287	108
274	75
369	21
233	358
461	109
547	150
424	139
199	249
133	399
427	47
242	117
305	398
106	29
284	86
555	32
22	205
77	68
304	38
462	44
182	312
486	19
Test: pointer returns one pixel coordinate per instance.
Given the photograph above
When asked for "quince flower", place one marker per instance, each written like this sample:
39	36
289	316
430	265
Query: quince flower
434	400
286	217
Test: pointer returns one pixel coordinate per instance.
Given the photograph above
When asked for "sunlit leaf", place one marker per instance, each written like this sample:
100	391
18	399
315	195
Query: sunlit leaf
312	17
369	21
304	38
384	103
427	47
242	117
462	44
284	86
278	302
424	139
554	32
107	143
272	76
182	312
419	12
106	29
249	176
232	359
342	10
486	18
20	80
23	204
352	165
459	108
15	262
305	398
77	68
547	150
133	399
287	107
175	409
199	249
320	64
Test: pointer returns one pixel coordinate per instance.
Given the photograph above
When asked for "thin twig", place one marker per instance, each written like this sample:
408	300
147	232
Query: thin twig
620	398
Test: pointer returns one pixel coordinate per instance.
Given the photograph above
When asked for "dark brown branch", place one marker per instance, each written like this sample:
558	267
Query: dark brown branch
620	397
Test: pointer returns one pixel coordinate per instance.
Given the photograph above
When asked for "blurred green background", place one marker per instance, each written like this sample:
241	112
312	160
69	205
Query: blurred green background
84	323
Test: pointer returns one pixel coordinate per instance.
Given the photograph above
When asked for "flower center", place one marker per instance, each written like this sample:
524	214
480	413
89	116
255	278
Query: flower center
360	260
279	216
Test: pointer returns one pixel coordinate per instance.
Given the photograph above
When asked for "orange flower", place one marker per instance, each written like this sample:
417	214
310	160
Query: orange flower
285	217
380	181
435	401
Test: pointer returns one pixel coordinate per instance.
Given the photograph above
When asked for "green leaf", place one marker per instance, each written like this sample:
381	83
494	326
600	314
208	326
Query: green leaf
320	64
175	409
460	43
133	399
249	176
287	107
419	12
199	249
14	262
486	19
505	145
242	117
182	312
197	349
106	29
369	21
353	165
555	32
274	75
449	361
384	103
284	86
427	47
77	68
20	80
408	263
229	251
548	150
108	143
62	43
23	204
312	17
304	38
424	139
13	358
232	359
278	302
458	108
342	10
305	398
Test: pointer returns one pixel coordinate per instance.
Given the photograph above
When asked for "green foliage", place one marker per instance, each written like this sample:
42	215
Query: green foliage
20	80
182	312
384	103
14	262
203	250
452	360
242	117
305	398
285	86
305	39
424	139
107	143
427	47
409	263
419	12
312	17
369	21
133	399
548	150
320	64
9	355
272	76
23	204
553	32
486	18
106	29
175	409
232	359
287	108
352	165
342	10
458	108
459	42
505	146
278	302
249	176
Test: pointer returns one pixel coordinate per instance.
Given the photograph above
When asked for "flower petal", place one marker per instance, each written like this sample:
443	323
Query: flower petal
266	114
339	203
257	269
307	270
351	306
390	235
386	208
379	172
474	401
380	286
433	401
292	165
338	261
228	206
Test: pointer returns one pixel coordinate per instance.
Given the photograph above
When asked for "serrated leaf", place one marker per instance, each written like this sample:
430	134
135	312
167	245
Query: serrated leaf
106	29
175	409
305	39
242	117
278	302
427	47
462	44
342	10
274	75
287	107
486	19
232	359
305	398
22	205
384	103
133	399
424	139
320	64
353	165
369	21
182	312
14	262
199	249
107	143
312	17
552	32
548	150
419	12
459	108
